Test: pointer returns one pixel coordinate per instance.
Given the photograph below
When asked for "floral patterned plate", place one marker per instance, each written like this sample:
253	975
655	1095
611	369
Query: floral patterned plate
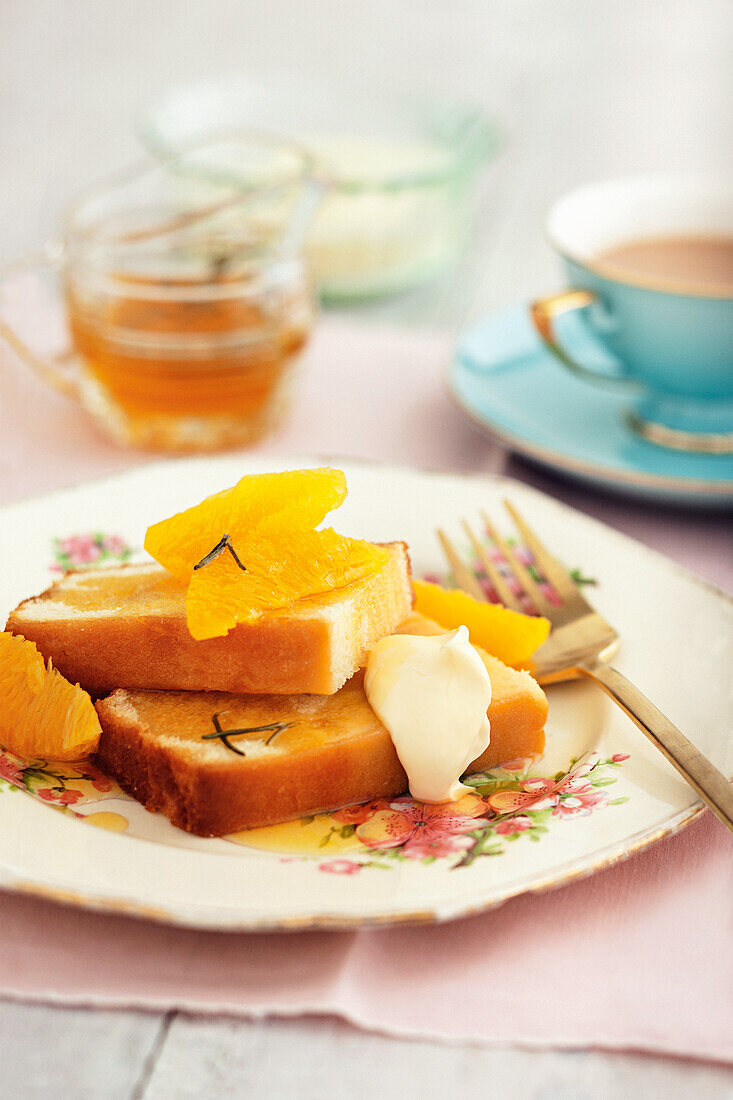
599	793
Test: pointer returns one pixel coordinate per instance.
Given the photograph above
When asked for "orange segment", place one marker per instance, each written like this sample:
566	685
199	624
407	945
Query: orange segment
280	571
41	713
508	635
257	503
270	521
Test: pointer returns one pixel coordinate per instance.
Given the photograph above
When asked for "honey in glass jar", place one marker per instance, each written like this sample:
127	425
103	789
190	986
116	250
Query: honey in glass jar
188	297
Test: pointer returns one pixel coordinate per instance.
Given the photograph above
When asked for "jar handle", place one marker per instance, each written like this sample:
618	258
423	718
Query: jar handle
60	373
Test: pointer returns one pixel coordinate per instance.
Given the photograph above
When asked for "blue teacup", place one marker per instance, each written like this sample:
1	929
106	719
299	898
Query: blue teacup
672	344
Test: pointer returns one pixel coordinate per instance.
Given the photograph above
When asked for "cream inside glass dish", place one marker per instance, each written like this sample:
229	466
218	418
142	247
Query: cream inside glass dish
402	175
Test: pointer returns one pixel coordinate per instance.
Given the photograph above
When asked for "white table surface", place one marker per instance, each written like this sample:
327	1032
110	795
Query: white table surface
585	89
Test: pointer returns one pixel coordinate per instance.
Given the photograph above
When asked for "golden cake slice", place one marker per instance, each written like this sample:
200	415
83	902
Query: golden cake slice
126	627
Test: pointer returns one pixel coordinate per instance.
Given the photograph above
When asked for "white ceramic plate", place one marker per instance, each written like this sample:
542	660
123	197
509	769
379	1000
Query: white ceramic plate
676	634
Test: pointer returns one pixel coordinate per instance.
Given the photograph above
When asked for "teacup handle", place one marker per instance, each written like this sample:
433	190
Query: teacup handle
59	373
543	312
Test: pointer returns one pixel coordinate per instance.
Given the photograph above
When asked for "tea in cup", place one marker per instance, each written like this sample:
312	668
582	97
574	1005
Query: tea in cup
649	262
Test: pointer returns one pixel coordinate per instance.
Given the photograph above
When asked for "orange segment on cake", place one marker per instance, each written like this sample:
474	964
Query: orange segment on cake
254	548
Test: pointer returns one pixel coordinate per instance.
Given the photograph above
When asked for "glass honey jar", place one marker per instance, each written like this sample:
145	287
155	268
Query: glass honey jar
187	296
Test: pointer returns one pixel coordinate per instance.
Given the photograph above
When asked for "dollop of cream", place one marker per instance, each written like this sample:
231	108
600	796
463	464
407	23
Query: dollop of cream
432	694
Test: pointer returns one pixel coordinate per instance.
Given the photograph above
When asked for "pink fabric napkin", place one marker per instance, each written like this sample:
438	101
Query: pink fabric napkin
637	956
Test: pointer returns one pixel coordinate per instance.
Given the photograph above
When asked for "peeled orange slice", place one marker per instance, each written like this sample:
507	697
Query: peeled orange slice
258	502
270	520
41	713
508	635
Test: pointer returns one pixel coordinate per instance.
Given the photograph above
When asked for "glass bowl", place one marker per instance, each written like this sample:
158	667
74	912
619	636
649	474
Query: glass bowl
402	174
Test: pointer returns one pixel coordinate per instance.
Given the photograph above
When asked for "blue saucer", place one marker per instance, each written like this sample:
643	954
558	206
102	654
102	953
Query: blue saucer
506	381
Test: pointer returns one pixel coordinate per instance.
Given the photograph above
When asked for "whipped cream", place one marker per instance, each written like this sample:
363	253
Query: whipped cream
432	694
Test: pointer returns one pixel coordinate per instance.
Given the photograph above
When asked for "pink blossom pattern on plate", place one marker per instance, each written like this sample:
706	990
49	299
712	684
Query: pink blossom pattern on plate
88	550
59	785
497	559
505	804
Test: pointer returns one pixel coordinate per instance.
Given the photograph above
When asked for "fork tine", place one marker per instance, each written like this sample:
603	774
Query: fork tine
503	590
555	573
525	578
465	578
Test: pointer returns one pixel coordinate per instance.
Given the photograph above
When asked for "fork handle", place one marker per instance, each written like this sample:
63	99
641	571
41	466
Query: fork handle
712	786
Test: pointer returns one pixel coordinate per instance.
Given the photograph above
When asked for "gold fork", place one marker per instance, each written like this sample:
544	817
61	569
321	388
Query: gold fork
579	645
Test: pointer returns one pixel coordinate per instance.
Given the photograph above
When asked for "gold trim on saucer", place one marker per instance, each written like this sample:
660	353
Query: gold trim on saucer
710	443
560	463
